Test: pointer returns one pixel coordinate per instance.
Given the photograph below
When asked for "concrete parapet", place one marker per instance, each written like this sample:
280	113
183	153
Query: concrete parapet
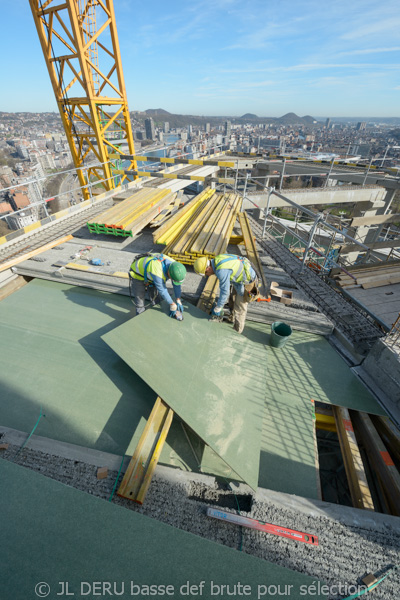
313	196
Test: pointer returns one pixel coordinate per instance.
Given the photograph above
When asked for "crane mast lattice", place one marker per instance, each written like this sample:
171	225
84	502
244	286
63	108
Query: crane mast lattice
80	46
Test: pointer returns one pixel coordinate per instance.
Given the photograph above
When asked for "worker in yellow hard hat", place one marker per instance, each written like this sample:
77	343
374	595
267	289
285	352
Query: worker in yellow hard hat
235	270
149	273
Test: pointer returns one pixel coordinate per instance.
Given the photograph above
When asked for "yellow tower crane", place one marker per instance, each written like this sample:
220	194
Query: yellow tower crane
80	45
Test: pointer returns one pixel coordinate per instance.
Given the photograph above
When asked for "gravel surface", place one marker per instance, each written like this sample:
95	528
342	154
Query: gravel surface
346	552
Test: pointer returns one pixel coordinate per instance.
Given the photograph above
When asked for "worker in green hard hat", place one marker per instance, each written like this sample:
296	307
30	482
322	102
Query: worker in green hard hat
235	270
149	272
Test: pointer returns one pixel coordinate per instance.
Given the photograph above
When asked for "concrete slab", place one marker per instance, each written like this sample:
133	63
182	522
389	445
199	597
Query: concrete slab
213	378
56	534
384	302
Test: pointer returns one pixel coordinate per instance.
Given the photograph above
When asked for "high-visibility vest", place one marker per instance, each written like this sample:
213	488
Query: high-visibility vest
240	267
149	265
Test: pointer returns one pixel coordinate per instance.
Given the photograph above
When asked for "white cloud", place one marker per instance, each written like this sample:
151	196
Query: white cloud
383	26
369	51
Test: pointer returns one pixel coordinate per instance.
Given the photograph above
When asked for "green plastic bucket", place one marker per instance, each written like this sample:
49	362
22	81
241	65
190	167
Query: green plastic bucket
280	333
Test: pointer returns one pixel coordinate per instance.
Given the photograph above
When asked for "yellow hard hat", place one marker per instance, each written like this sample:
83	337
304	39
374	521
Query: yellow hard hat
200	265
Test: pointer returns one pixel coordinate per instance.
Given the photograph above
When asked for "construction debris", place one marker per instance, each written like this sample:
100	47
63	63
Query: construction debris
283	296
102	472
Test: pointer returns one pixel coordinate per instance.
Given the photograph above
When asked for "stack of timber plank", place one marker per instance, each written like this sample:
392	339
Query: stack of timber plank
202	228
369	277
129	217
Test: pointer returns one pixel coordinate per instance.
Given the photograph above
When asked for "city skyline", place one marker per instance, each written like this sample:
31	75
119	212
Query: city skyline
218	58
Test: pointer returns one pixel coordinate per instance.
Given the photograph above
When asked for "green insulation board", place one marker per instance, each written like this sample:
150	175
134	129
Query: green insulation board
53	533
53	359
213	379
288	452
308	367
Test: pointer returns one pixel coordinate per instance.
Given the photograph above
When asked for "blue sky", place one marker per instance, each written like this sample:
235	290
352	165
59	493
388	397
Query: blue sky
229	57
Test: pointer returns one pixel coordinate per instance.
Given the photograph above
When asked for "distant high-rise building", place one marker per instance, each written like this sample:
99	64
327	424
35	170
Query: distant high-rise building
327	123
166	127
189	132
150	130
227	128
207	127
361	126
138	135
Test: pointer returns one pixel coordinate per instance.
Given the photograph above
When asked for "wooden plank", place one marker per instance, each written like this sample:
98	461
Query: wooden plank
20	259
208	294
89	269
12	286
225	232
175	219
380	458
209	226
380	283
250	245
138	475
196	224
356	477
390	434
179	230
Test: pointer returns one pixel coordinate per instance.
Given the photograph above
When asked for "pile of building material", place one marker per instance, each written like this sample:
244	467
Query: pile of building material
369	276
130	216
202	228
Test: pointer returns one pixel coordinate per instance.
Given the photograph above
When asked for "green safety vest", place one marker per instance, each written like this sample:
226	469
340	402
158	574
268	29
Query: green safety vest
240	267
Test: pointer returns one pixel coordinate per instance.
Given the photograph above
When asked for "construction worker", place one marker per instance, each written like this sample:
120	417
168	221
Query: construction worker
235	270
149	272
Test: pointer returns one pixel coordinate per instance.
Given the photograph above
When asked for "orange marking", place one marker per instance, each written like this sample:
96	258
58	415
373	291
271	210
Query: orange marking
348	425
387	459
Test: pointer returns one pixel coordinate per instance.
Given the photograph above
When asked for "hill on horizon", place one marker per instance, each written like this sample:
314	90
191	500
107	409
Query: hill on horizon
176	120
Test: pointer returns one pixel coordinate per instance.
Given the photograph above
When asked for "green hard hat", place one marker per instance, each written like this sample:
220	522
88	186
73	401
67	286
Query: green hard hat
177	272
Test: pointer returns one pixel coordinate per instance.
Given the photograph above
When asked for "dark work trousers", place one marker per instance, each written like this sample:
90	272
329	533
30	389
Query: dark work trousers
139	291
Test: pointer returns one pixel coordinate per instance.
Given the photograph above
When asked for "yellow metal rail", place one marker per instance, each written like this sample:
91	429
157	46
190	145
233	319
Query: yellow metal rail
174	161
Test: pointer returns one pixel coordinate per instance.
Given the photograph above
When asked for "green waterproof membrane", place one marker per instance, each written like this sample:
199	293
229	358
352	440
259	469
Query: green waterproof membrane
287	462
308	367
213	378
53	358
56	536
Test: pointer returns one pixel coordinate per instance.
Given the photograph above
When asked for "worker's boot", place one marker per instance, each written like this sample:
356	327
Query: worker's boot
238	326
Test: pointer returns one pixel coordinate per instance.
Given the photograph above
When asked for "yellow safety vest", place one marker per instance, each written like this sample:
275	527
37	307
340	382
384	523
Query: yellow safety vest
149	265
240	267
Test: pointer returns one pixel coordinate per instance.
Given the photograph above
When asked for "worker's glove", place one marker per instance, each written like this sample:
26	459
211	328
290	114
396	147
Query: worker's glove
174	312
217	314
179	306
